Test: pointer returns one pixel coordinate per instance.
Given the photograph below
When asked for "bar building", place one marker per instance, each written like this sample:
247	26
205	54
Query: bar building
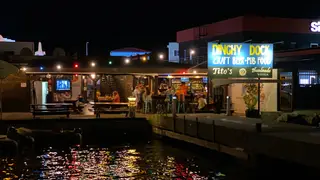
296	57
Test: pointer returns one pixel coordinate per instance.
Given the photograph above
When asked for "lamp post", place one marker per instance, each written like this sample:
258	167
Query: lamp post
161	56
192	52
87	48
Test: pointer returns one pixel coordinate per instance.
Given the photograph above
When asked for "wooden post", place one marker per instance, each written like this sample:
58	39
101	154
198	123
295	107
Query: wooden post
259	127
184	124
213	131
259	92
197	127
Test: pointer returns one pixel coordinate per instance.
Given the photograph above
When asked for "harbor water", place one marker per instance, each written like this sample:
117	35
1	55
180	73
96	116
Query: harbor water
154	158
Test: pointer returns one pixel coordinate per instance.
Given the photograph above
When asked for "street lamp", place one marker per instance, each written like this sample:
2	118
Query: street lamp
161	56
93	64
58	67
127	60
23	68
192	52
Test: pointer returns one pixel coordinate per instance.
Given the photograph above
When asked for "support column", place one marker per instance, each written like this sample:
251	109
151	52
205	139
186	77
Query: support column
295	88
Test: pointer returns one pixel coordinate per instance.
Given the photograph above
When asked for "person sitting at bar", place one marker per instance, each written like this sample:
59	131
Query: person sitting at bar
116	97
80	103
80	98
202	102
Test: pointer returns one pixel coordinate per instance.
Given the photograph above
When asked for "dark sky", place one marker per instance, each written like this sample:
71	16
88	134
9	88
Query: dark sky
109	25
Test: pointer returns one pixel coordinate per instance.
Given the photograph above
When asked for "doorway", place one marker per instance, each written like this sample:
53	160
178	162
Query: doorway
44	92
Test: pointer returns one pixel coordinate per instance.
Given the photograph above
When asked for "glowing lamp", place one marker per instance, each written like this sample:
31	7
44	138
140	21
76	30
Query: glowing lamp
127	61
58	66
93	76
93	64
23	68
194	72
41	68
76	65
110	62
132	99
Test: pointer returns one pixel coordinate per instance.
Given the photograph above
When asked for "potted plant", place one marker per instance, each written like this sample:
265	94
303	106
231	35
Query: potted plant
251	100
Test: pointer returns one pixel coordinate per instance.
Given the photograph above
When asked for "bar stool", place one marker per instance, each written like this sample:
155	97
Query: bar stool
169	103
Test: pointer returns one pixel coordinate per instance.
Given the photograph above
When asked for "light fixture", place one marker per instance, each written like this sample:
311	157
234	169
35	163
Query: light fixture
93	76
144	58
192	51
132	99
194	72
58	66
76	65
161	56
127	60
110	62
93	64
41	68
23	68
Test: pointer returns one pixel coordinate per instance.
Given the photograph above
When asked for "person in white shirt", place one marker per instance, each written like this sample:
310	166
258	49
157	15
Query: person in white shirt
202	102
137	94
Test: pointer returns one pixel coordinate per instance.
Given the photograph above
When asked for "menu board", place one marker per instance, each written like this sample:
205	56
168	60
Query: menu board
197	84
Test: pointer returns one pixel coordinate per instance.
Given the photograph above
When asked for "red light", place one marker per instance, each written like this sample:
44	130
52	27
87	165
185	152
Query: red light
76	65
76	75
183	72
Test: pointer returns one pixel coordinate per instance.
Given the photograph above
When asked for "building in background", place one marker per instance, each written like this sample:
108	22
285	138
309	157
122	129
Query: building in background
127	52
40	52
173	52
11	47
284	33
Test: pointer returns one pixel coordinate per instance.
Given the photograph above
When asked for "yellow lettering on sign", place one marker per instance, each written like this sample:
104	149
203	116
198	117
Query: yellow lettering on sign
258	50
226	49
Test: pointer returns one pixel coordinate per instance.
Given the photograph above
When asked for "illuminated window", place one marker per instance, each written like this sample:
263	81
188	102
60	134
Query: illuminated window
308	77
176	52
312	45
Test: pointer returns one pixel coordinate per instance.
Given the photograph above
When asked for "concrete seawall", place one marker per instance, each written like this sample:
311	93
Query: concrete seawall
293	143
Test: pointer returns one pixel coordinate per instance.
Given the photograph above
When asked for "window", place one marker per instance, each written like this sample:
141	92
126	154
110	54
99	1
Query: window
176	52
312	45
309	77
293	45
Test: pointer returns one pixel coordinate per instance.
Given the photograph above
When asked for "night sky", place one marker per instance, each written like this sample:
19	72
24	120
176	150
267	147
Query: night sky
109	25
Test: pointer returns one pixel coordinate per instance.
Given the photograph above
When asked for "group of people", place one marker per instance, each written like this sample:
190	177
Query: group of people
181	92
142	94
115	96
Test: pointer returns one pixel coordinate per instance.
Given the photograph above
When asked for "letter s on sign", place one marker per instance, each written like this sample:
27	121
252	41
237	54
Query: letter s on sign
315	26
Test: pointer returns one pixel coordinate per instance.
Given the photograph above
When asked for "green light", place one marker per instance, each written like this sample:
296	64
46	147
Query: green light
110	62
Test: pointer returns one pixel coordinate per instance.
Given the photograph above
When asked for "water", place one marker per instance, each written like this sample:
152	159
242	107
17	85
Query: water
145	160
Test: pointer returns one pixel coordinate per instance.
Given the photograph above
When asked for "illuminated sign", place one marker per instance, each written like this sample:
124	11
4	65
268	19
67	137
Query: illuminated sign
315	26
240	60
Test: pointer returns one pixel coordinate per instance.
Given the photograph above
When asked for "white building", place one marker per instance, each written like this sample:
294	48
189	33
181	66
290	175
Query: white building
11	47
173	52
